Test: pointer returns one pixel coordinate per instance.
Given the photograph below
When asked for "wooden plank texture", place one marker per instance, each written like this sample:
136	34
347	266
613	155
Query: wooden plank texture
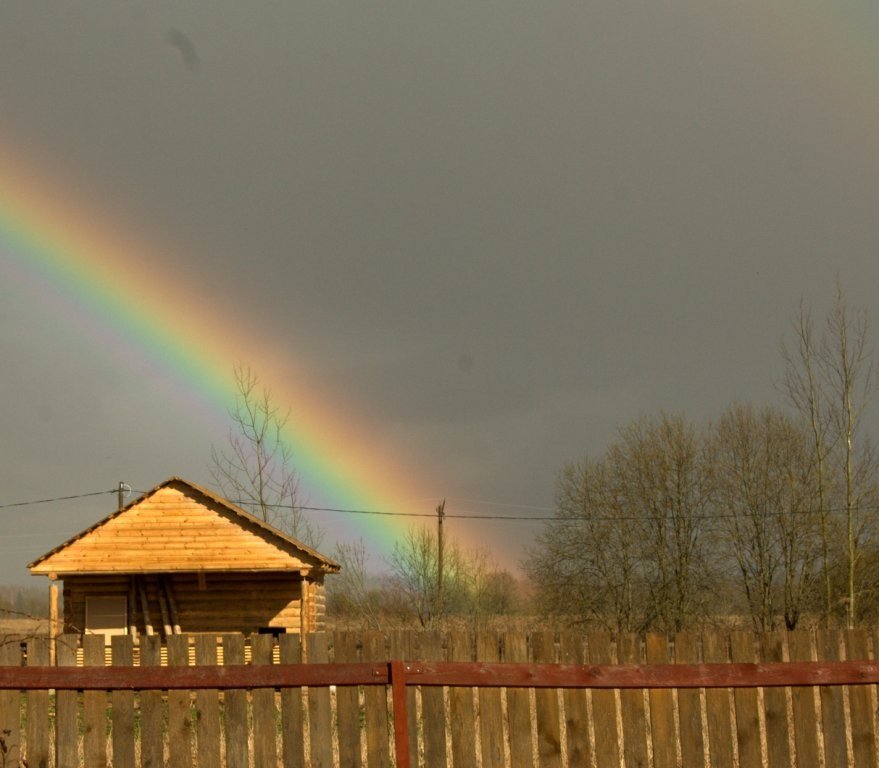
122	703
10	701
235	730
433	708
180	735
376	716
94	709
633	713
688	651
827	644
604	705
863	723
775	705
346	646
207	707
37	708
152	735
320	716
491	720
402	646
549	735
265	711
521	739
292	711
576	702
662	718
66	707
463	713
803	698
742	649
720	735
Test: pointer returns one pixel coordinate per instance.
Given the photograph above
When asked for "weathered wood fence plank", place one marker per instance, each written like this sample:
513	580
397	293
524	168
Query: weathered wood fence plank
37	708
463	713
235	731
863	722
403	646
152	737
549	736
720	734
179	708
292	712
433	707
832	705
348	712
805	719
604	705
662	716
576	703
632	711
94	708
491	725
746	703
320	716
775	706
265	710
10	702
122	704
378	752
687	651
519	721
66	707
207	708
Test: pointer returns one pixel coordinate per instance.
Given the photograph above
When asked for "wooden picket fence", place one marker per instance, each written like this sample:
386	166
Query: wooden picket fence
436	700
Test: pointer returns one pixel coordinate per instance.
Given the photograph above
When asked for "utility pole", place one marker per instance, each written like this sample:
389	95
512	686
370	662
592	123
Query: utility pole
440	514
120	492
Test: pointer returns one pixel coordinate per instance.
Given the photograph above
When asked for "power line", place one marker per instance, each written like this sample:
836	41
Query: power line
57	498
573	518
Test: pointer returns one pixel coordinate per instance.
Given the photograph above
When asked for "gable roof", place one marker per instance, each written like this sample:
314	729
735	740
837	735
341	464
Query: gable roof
180	526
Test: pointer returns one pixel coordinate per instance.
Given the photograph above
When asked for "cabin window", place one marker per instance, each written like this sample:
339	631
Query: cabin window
106	615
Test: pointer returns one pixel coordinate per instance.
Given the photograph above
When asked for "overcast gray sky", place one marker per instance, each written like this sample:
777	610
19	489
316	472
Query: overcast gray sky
497	231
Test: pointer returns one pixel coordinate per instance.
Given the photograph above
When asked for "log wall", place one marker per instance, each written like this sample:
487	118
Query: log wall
203	602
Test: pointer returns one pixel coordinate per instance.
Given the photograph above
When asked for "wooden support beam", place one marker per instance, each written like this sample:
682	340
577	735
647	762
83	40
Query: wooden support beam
172	605
163	608
145	607
132	607
54	629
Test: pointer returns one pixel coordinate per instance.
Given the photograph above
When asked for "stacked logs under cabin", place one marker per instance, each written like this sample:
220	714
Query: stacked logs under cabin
181	559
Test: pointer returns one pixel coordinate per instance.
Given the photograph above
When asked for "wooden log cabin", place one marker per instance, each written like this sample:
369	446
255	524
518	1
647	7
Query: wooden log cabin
181	559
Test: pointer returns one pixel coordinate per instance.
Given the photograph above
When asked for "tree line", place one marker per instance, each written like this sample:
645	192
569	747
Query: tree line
766	513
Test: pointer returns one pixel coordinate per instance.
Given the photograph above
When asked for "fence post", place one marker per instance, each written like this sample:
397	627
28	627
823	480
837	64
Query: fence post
397	674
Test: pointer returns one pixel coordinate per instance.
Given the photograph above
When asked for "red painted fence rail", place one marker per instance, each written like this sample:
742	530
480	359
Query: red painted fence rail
443	673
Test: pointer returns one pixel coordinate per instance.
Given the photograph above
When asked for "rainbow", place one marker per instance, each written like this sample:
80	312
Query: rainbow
65	245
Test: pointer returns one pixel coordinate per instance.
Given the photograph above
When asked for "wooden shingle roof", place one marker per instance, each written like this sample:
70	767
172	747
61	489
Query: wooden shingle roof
180	526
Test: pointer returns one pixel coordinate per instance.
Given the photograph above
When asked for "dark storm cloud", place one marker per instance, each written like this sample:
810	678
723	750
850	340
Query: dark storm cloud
496	230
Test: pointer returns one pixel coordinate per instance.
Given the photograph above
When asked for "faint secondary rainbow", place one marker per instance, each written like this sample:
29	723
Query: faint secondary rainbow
65	245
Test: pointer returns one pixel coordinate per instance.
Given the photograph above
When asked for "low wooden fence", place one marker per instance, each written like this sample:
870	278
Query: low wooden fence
406	699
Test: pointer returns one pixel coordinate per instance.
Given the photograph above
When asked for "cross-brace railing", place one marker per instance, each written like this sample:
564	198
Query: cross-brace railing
402	674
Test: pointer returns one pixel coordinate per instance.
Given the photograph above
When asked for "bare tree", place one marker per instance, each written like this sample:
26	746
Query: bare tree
803	388
626	548
847	368
829	380
764	493
255	469
355	592
660	464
